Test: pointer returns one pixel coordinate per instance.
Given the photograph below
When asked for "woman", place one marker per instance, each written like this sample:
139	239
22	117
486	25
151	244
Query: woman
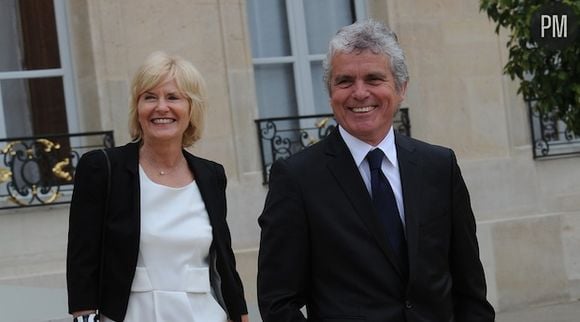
161	249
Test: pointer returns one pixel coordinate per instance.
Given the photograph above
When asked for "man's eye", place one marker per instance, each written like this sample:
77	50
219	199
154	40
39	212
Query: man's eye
375	81
343	83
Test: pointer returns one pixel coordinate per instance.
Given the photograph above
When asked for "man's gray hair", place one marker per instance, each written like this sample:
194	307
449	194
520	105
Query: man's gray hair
367	35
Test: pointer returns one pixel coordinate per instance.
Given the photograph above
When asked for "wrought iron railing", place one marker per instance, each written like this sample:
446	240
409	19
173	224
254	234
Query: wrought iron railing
551	137
281	137
38	171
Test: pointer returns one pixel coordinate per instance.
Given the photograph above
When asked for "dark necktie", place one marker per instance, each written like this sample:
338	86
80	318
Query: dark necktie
386	206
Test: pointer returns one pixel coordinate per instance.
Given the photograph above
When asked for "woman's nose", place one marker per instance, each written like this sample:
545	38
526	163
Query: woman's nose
163	104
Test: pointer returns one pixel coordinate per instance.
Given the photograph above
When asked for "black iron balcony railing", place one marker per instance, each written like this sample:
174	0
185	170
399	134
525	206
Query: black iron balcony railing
37	171
550	135
281	137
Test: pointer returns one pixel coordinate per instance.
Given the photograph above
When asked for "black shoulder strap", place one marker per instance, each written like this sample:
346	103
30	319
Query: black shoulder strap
105	215
108	178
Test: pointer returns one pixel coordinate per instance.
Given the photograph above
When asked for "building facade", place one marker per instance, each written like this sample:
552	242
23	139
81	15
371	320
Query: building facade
262	59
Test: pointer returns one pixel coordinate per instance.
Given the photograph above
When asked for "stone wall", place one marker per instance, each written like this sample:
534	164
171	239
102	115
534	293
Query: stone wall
528	211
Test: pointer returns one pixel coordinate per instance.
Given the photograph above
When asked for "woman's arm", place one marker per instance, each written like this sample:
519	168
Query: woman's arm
85	232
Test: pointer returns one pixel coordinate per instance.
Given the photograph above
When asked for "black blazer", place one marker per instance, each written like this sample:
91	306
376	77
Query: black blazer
322	245
122	231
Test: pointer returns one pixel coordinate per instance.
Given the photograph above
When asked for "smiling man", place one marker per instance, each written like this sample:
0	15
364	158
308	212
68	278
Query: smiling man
369	225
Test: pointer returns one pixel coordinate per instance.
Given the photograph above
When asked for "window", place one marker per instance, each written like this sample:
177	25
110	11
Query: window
550	135
36	85
289	42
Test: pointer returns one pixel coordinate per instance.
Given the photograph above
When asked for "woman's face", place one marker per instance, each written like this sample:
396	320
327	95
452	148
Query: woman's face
163	112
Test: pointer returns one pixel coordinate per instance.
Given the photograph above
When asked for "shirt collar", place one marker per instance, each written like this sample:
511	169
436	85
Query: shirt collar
359	149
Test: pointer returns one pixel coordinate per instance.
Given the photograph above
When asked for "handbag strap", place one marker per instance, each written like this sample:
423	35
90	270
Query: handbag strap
105	215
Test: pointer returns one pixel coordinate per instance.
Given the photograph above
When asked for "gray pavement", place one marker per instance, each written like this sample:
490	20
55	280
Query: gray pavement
32	304
20	303
560	312
25	304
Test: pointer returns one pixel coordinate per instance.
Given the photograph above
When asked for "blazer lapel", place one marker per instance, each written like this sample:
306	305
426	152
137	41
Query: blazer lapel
131	159
410	172
207	184
346	173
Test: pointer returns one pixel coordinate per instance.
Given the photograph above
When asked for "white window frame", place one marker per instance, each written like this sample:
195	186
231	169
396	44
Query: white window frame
65	71
300	58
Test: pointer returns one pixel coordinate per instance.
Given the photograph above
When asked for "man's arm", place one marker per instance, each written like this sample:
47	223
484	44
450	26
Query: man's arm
469	288
284	258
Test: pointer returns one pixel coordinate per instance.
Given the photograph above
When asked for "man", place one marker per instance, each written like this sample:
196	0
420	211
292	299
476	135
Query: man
368	225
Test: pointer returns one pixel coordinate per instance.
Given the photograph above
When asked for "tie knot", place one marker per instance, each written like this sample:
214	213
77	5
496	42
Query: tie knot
375	158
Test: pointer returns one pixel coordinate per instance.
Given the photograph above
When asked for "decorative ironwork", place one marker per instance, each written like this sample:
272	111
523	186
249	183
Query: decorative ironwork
37	171
282	137
550	135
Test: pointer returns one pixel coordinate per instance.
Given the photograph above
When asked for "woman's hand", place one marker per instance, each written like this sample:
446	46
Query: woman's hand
245	318
79	313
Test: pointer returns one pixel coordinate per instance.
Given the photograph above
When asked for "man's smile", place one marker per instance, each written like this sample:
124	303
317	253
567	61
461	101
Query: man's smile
363	109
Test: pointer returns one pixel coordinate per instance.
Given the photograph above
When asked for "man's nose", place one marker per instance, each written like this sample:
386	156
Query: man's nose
360	90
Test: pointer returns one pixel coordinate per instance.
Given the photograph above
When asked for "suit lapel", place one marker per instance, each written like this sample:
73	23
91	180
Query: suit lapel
346	173
410	172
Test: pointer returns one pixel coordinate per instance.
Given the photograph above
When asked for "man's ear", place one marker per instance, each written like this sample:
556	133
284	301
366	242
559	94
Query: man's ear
403	90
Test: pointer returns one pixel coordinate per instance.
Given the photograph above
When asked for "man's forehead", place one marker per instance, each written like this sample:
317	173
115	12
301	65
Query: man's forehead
358	51
370	61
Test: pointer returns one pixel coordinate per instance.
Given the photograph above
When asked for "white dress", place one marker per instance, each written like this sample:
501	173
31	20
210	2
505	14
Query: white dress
172	282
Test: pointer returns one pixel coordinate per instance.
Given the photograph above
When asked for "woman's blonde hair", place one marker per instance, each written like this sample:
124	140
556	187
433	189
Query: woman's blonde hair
158	67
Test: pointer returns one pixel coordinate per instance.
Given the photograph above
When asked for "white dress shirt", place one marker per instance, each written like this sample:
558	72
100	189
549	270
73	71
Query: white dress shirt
389	166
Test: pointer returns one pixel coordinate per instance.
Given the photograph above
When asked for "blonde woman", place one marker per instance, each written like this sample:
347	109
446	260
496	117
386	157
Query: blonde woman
161	249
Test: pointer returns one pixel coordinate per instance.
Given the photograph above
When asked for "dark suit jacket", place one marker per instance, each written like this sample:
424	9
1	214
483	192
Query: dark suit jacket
122	230
322	245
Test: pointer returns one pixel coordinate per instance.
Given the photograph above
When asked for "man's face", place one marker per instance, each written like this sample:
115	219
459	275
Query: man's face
363	94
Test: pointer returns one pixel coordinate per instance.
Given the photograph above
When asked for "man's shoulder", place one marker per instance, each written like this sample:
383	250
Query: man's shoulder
310	155
303	166
425	149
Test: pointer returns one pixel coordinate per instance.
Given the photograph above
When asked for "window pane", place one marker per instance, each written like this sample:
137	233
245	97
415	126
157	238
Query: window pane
10	39
275	90
34	106
269	28
336	13
321	104
16	105
28	36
